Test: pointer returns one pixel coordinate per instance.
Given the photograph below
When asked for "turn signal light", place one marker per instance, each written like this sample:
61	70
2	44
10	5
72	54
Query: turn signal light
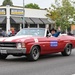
23	45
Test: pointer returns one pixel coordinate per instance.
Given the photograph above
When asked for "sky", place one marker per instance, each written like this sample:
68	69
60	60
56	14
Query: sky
41	3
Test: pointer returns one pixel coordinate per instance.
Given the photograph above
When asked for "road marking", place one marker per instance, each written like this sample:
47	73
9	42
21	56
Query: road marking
73	74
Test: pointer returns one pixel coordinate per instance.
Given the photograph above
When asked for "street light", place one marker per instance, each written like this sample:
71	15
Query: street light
23	15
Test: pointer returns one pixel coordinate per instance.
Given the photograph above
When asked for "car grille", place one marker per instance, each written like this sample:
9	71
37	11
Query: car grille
7	44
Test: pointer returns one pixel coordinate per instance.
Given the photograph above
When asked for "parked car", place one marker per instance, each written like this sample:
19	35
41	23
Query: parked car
33	42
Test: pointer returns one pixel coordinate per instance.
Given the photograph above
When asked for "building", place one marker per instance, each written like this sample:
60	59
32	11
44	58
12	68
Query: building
12	17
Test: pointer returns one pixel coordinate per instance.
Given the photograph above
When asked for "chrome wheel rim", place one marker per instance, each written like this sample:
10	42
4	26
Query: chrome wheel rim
35	53
68	50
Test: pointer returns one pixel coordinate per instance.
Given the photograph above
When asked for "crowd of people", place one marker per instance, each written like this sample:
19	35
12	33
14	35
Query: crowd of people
4	34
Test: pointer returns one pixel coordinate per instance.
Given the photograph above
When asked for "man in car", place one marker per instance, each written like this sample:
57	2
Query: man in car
54	32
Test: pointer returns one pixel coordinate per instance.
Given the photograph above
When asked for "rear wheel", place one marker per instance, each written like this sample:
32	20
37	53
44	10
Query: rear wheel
67	50
34	54
3	56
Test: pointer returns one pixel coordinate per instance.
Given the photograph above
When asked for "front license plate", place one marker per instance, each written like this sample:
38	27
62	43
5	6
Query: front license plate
3	51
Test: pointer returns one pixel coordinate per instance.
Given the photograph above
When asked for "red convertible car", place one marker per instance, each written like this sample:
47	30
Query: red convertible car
33	42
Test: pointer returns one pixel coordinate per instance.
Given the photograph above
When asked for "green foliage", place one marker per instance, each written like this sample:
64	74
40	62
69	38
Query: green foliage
7	2
33	6
61	12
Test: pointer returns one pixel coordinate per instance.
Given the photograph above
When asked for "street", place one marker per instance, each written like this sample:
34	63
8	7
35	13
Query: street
54	64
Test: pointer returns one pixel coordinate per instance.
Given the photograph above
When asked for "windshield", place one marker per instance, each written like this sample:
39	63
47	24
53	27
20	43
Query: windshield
32	31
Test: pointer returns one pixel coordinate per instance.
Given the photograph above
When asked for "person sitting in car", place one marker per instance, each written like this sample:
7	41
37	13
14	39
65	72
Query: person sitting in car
54	32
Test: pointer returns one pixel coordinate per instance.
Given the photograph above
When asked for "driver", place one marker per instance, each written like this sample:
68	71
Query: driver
54	32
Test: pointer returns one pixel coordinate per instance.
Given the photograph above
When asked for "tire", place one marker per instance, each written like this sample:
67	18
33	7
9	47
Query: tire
67	51
34	54
3	56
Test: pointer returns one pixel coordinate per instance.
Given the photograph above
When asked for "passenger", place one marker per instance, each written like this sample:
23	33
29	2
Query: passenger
54	32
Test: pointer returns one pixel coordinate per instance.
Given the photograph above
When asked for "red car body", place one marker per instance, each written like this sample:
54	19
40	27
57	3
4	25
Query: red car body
34	46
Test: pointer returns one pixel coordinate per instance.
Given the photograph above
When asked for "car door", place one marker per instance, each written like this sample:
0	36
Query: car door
55	44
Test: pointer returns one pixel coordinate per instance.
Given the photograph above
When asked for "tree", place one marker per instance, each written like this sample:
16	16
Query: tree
61	12
31	5
7	2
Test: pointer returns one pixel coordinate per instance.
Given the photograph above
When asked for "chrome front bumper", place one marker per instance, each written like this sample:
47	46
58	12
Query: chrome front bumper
7	50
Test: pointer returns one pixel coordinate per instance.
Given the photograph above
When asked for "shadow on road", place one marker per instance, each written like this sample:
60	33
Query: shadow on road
43	57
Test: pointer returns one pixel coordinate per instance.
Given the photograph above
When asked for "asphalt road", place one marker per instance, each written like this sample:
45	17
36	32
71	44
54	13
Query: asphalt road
55	64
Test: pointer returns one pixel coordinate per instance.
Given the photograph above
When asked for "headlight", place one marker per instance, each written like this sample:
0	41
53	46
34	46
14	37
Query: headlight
19	45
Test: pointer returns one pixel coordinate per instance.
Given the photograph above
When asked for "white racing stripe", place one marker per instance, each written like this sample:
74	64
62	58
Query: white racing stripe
14	37
1	39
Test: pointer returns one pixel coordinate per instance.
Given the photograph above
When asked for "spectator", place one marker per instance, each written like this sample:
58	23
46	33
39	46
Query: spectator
9	33
13	32
4	33
1	32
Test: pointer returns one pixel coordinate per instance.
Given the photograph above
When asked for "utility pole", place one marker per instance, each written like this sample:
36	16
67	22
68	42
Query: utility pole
23	14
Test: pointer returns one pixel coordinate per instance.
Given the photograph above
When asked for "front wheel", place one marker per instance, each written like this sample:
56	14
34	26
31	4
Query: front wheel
67	50
3	56
34	54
